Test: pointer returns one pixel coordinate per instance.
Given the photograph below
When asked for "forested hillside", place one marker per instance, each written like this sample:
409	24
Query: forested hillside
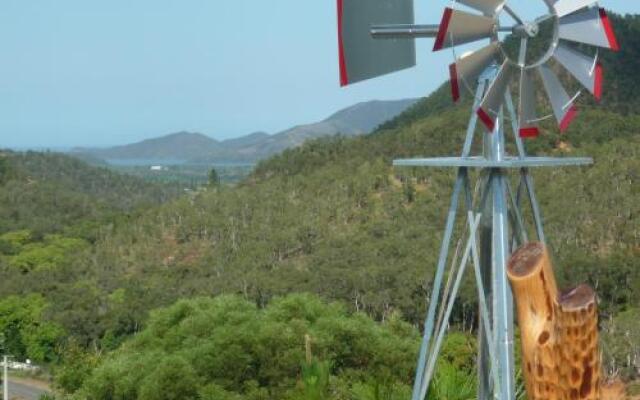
50	193
333	219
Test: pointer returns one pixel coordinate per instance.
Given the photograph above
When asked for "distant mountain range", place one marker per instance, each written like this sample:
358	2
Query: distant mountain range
196	148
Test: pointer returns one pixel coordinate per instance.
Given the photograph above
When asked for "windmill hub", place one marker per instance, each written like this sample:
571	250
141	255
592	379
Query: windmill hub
527	30
532	29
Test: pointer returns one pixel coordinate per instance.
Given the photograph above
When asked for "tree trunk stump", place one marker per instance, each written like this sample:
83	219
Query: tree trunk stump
559	331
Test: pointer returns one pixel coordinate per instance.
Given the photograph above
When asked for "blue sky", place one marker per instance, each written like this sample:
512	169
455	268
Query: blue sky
78	72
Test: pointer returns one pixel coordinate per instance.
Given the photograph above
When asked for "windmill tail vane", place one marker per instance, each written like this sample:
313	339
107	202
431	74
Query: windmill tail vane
377	37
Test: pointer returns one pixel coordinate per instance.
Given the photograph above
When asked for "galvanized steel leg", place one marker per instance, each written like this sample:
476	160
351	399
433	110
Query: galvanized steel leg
444	250
452	299
437	285
494	253
486	360
503	298
485	331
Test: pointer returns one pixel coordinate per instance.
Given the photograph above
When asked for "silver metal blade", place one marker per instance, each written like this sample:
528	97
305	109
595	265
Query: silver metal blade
487	7
459	27
493	99
585	69
590	26
528	127
468	67
565	7
563	107
363	57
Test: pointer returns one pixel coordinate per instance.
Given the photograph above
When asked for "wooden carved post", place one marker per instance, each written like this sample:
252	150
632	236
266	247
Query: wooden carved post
534	289
578	339
559	331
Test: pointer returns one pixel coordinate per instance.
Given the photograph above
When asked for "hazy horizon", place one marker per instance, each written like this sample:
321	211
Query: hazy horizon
64	149
103	74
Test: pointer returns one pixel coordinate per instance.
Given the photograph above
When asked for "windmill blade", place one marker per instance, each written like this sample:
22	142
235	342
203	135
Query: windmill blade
363	57
591	26
468	67
459	27
563	107
527	119
587	70
487	7
494	97
565	7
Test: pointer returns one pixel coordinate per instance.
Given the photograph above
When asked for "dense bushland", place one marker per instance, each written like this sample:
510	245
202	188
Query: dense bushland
298	347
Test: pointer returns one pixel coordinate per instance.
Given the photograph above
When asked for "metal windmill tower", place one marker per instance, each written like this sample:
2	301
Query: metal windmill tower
376	37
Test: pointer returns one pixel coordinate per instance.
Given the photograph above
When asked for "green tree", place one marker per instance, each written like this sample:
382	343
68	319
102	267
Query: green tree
315	379
25	331
214	179
75	367
173	379
5	168
12	243
451	383
51	253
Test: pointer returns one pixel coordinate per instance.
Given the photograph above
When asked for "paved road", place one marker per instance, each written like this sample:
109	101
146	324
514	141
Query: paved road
23	391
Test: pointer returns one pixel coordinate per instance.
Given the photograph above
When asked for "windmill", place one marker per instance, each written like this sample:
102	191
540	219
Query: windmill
376	37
